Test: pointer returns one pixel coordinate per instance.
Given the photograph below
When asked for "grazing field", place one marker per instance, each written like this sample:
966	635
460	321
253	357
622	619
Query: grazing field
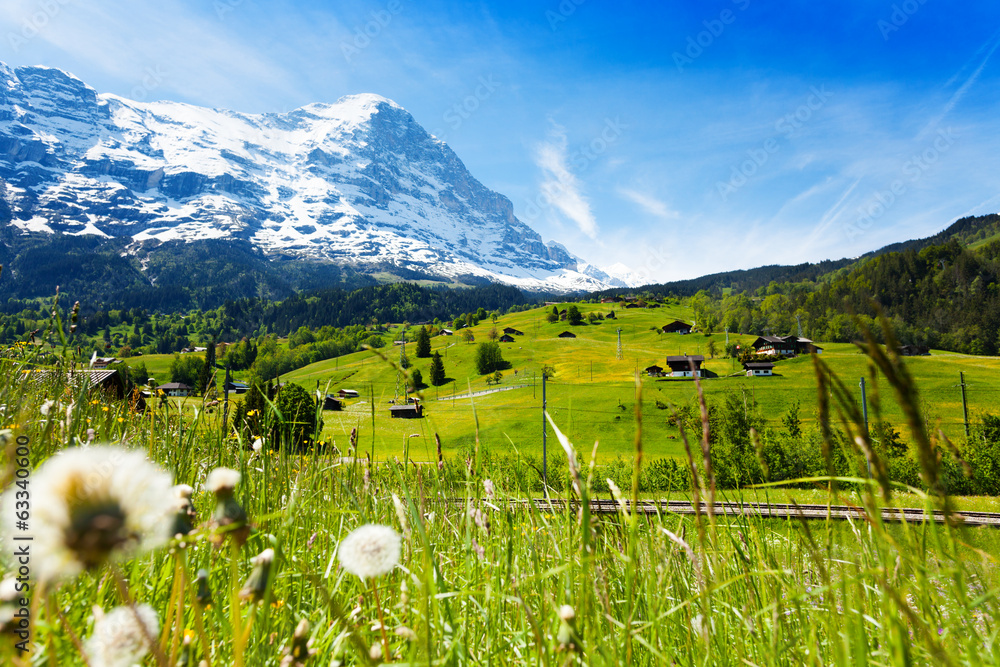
593	393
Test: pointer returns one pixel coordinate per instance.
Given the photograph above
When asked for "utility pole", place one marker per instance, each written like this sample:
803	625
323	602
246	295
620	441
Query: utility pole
619	356
864	411
545	470
225	402
965	406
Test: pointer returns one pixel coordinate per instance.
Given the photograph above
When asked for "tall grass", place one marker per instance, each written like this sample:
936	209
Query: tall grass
484	582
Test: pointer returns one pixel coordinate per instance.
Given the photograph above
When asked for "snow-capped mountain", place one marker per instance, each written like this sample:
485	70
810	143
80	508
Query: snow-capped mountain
358	182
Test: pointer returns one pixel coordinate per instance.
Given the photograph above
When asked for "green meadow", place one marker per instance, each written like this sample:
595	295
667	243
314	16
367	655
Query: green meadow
593	393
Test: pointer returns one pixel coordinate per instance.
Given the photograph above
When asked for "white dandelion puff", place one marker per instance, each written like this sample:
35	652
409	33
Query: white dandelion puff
370	551
228	518
94	504
257	445
119	640
256	585
46	407
488	488
221	479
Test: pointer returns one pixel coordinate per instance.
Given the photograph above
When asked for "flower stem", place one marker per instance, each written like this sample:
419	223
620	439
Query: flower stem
381	623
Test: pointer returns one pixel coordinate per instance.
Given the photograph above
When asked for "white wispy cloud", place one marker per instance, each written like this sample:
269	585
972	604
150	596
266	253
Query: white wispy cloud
990	47
648	203
560	185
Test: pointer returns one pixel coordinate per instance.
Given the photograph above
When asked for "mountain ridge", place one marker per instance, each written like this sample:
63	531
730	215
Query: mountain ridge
357	183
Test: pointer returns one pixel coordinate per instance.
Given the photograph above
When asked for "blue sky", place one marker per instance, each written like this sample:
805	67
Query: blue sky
676	137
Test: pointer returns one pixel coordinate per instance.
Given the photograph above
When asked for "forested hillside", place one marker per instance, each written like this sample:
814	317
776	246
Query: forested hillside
944	296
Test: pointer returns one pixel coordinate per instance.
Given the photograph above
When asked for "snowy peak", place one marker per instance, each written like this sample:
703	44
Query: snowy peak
356	182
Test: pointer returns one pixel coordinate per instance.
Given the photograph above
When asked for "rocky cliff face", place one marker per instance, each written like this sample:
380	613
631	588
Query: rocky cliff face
358	182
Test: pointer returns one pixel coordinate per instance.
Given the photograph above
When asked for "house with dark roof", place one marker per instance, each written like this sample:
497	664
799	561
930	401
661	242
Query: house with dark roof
348	393
330	402
567	334
677	327
787	346
506	338
108	381
680	366
407	411
101	363
511	331
175	389
654	371
914	350
758	368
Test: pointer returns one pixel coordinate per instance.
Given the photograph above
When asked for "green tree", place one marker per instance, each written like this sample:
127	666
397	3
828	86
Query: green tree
423	343
467	336
573	315
553	316
437	370
497	376
185	368
712	348
417	379
300	422
488	358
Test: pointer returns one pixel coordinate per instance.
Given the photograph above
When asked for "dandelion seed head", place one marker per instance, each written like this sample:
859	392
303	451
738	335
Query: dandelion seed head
93	504
567	613
119	640
488	488
222	479
370	551
46	407
258	445
8	590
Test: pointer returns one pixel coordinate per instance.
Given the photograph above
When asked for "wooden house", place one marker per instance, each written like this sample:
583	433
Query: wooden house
654	371
511	331
407	411
758	368
348	393
567	334
680	366
175	389
787	346
914	350
677	327
101	363
330	402
446	332
506	338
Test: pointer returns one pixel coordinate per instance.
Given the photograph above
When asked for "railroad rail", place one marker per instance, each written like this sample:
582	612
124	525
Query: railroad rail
766	510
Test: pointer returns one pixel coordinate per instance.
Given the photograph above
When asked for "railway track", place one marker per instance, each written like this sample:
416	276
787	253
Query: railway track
767	510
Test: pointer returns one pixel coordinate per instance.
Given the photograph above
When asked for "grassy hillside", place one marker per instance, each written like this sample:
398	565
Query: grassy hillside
593	393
